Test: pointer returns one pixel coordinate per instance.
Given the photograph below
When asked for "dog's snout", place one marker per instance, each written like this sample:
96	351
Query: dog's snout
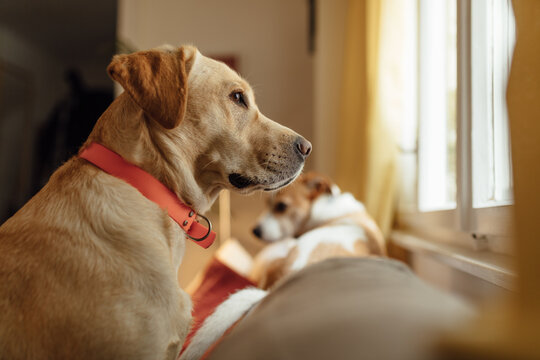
303	146
257	231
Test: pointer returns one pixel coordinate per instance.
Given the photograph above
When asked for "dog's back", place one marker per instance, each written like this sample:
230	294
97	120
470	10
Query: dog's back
49	249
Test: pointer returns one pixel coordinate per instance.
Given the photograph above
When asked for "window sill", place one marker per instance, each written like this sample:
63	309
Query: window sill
491	267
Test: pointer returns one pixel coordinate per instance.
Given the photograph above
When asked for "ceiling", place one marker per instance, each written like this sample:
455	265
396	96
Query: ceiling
71	30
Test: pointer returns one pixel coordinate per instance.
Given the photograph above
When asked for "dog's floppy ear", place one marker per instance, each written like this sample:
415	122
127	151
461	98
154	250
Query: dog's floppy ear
317	184
156	80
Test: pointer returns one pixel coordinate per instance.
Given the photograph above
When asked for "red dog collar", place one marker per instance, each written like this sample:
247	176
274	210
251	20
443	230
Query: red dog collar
153	189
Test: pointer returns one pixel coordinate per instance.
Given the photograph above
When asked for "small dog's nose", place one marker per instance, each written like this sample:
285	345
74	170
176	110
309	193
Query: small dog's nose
257	232
303	146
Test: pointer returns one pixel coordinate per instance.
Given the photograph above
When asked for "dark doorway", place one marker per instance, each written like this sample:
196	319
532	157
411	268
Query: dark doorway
53	87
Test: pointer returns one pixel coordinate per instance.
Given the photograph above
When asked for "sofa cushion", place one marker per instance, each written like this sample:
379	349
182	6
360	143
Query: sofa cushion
346	308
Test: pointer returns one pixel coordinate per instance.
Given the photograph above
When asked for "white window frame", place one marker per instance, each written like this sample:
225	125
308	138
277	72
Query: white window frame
482	228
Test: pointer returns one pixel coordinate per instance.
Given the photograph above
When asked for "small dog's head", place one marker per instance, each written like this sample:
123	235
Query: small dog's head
289	209
206	126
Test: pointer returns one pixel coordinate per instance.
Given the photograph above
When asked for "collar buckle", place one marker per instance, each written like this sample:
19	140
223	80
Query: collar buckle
209	226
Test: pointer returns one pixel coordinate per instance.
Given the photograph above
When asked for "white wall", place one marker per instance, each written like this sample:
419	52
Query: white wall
328	75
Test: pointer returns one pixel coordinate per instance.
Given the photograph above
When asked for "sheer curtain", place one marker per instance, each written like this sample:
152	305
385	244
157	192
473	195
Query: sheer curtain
374	99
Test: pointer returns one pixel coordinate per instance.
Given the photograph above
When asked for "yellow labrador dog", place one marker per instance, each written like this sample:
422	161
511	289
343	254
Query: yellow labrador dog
88	267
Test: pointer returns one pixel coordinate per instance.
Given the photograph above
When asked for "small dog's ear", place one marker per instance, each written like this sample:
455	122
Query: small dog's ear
156	81
317	184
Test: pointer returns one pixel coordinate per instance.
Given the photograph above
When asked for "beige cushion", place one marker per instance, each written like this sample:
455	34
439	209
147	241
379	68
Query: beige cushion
346	308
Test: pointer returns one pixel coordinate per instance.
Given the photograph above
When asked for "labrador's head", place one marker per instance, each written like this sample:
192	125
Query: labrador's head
203	115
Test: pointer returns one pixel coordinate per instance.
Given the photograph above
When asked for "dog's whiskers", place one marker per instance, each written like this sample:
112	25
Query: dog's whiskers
208	164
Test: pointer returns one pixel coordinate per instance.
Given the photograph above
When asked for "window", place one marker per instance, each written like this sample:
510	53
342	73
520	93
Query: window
437	106
457	143
492	39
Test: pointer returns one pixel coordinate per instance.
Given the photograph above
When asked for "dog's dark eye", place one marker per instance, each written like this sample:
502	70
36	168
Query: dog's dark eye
280	207
238	98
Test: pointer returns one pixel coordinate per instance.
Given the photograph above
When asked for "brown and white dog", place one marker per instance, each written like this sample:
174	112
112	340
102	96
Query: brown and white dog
308	222
88	267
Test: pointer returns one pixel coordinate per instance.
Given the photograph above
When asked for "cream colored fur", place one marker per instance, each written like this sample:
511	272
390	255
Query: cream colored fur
88	267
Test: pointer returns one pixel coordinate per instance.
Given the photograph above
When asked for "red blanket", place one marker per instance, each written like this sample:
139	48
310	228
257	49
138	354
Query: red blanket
219	281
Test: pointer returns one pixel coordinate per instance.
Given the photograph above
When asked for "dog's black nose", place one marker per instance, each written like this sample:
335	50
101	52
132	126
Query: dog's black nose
257	232
303	146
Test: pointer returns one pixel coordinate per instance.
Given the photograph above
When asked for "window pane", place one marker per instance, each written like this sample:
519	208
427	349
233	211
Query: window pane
437	108
493	37
503	40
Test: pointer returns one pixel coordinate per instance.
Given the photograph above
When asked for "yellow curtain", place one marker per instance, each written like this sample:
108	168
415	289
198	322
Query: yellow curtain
366	148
